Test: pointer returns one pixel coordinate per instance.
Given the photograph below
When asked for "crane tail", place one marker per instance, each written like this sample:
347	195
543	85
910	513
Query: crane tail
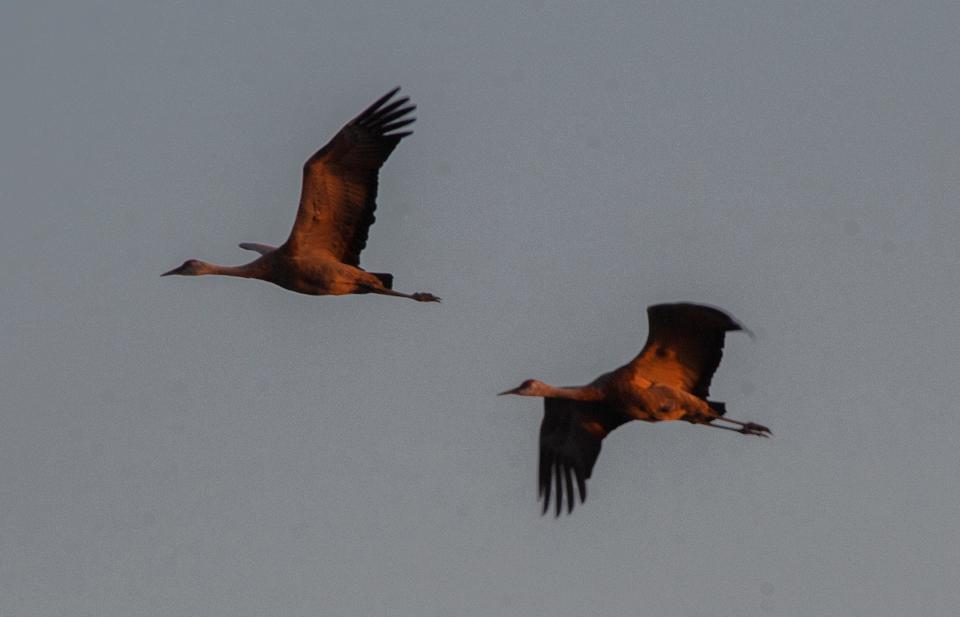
263	249
385	278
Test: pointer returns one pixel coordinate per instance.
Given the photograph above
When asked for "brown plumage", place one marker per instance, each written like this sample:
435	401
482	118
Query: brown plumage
668	380
337	202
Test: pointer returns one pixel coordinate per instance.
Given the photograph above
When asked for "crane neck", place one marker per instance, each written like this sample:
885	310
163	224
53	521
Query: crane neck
580	393
254	269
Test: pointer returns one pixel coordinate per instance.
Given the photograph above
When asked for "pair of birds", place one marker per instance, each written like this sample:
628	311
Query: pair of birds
669	380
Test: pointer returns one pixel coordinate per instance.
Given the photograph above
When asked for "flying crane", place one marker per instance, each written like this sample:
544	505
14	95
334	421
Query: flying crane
669	380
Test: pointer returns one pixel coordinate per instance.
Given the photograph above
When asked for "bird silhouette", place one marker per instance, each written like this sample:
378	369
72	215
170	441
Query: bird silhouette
668	380
337	202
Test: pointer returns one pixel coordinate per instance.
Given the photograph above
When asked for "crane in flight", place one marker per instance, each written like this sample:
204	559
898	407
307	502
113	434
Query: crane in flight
337	202
669	380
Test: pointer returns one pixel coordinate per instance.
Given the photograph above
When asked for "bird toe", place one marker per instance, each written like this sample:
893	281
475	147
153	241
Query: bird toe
752	428
425	297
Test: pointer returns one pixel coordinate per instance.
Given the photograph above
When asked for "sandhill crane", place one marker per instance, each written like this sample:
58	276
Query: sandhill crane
337	201
669	380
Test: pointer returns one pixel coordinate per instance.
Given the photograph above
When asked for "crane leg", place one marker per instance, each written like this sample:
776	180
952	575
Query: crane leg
420	296
746	428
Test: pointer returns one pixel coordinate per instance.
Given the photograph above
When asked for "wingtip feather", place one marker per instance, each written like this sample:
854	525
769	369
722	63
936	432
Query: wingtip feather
396	125
571	497
558	481
375	106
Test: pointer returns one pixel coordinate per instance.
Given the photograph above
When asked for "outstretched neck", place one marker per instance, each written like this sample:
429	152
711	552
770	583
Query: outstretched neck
581	393
254	269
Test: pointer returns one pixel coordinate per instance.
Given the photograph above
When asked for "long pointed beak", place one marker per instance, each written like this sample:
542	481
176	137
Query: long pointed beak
511	391
176	270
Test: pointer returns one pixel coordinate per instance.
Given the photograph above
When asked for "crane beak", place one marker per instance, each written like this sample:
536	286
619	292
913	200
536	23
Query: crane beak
177	270
511	391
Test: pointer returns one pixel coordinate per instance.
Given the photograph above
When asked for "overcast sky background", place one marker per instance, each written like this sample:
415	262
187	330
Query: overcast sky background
220	447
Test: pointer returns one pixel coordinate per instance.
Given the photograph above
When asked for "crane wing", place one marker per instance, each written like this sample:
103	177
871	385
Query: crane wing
684	346
570	437
340	182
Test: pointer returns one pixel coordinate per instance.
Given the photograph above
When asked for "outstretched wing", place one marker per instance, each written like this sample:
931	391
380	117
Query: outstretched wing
570	437
340	182
684	346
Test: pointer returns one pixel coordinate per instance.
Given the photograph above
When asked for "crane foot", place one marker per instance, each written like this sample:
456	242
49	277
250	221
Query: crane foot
752	428
422	296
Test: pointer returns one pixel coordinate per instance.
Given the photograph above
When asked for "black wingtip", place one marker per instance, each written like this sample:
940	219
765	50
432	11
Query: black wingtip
375	105
396	125
558	482
703	315
381	115
555	479
543	479
380	119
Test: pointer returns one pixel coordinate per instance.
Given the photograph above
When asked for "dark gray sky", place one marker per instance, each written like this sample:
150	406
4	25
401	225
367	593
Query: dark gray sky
221	447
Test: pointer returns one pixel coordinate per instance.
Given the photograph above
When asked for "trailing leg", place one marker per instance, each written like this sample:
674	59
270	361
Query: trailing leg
746	428
419	296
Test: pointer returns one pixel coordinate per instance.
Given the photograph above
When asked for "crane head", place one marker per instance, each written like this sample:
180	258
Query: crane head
530	387
191	267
